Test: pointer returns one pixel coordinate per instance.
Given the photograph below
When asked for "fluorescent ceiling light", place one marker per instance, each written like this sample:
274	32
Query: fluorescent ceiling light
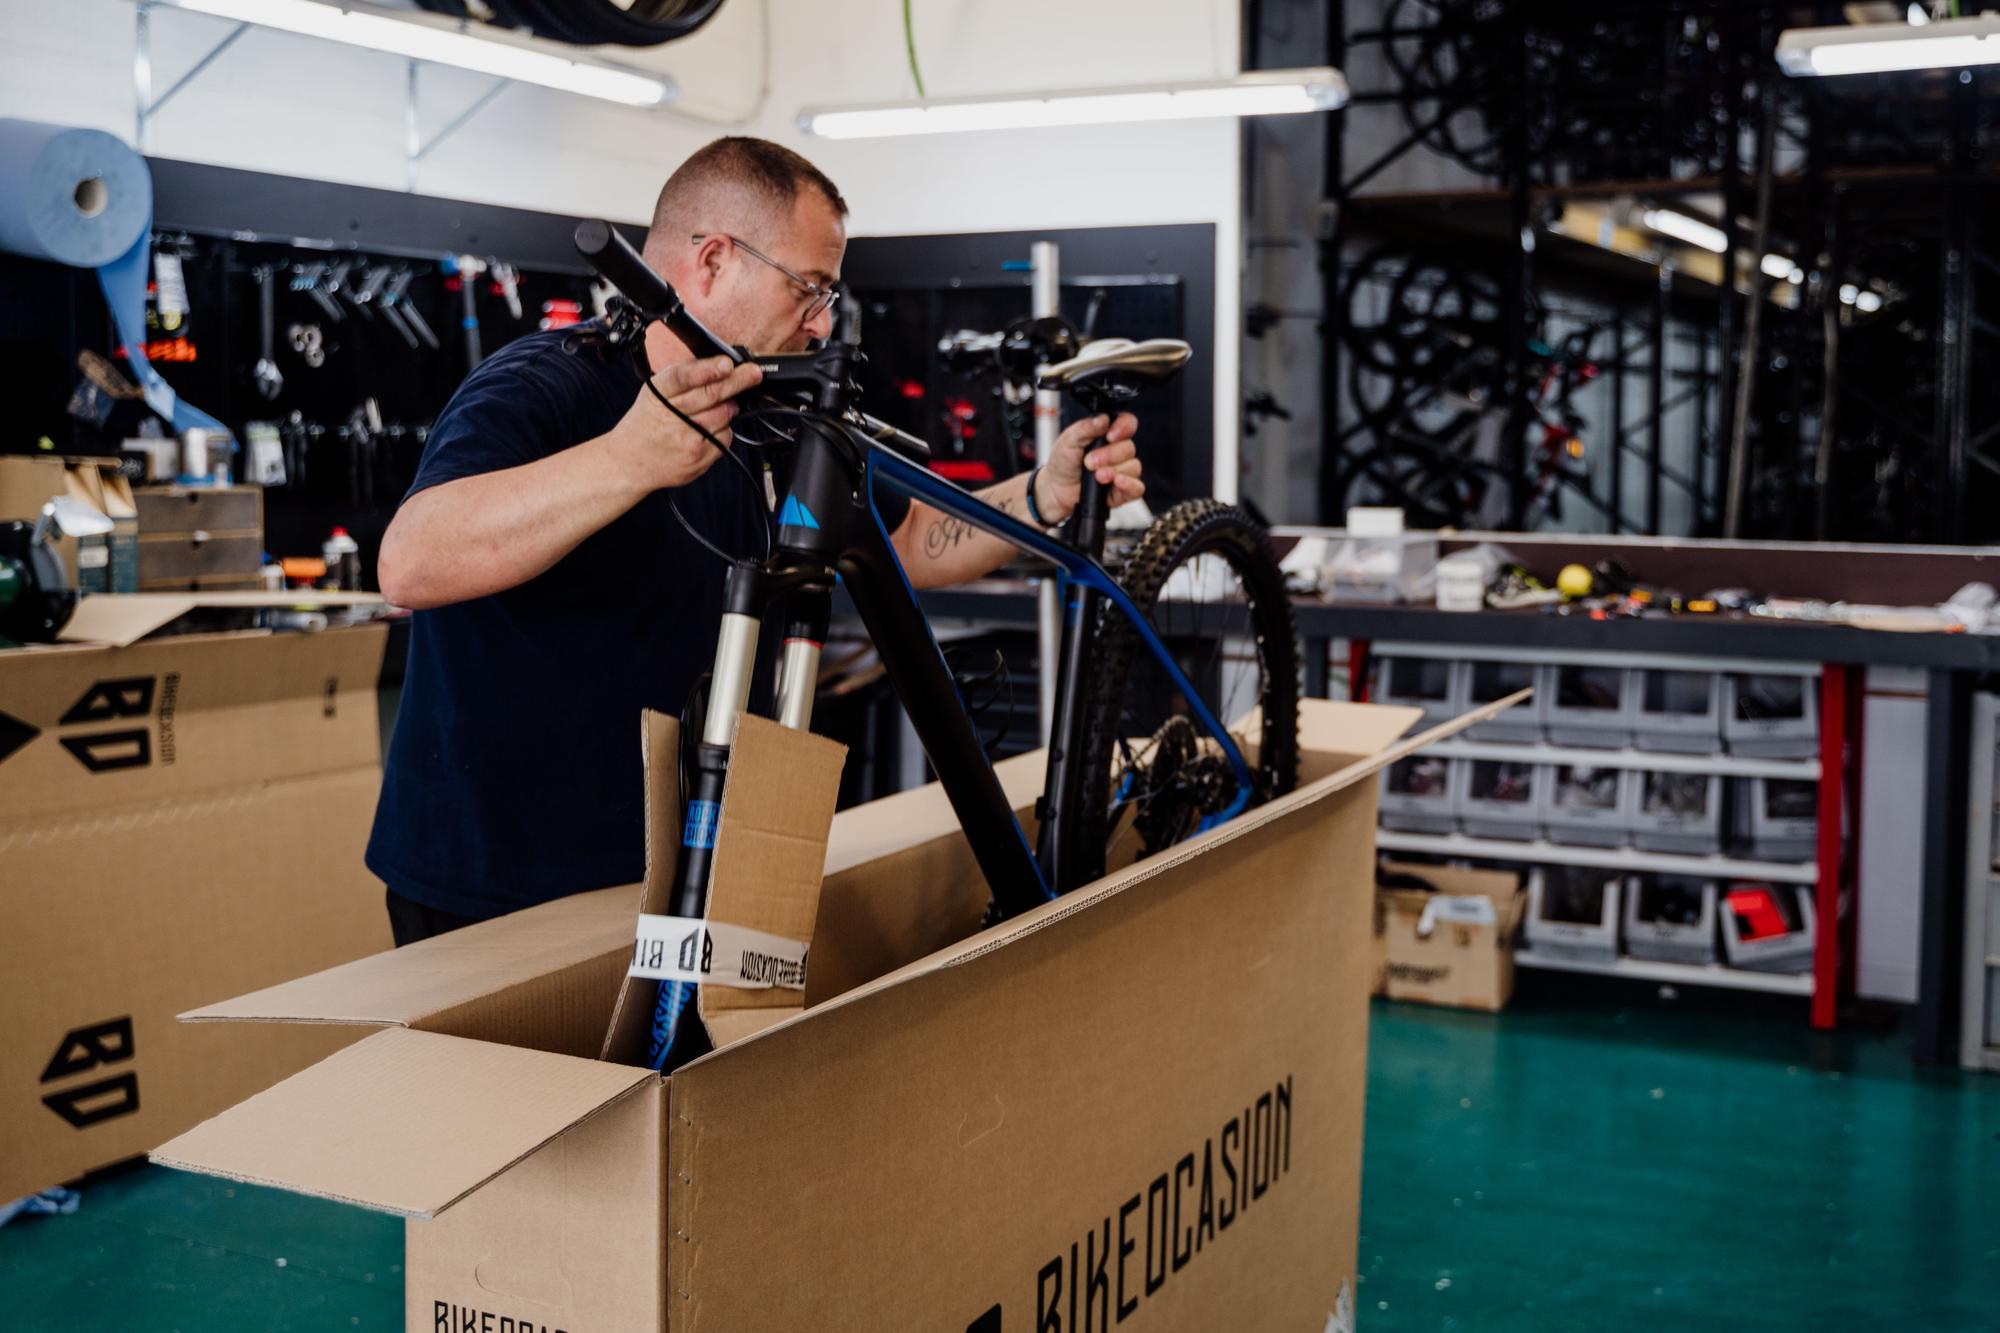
1878	48
1263	93
1692	231
1777	266
458	46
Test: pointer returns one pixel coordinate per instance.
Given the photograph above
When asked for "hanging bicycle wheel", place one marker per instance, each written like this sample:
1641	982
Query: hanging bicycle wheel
1203	575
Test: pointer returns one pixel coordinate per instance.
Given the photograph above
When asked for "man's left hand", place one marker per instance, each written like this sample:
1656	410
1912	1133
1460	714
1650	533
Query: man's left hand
1104	446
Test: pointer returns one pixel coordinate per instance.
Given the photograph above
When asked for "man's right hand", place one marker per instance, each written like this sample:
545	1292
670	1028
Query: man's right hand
658	448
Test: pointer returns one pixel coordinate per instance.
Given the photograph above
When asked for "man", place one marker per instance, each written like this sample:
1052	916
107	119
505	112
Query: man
556	593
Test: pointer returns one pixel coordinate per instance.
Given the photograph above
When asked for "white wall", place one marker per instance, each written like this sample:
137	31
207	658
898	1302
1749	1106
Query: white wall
289	105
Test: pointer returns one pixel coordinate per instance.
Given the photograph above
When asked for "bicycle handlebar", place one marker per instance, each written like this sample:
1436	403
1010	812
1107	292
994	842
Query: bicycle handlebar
619	264
822	373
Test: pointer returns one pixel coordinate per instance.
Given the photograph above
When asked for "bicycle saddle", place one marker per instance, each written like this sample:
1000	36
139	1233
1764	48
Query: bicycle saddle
1119	361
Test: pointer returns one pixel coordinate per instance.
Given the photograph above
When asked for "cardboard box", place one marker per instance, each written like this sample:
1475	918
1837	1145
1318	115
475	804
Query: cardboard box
1453	947
180	820
1143	1100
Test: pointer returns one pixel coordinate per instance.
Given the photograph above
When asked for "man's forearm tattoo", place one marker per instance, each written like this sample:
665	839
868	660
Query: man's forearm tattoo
948	531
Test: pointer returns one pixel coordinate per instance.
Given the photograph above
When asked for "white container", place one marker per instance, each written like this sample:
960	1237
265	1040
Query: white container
1461	583
343	560
1671	918
197	462
1573	913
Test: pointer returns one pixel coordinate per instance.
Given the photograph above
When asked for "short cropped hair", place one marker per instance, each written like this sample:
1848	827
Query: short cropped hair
735	177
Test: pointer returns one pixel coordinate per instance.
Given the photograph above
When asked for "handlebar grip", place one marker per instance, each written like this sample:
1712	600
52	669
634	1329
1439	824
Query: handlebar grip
619	264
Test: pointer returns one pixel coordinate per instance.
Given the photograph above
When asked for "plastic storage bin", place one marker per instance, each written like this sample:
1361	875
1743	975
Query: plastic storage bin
1768	927
1500	798
1591	706
1483	682
1420	794
1588	807
1429	683
1677	812
1573	913
1771	717
1679	712
1780	817
1670	918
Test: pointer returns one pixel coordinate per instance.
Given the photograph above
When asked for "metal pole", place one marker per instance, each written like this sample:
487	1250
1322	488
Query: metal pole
1731	312
1952	377
142	77
413	143
1513	397
1618	348
1753	322
1831	268
1656	392
1333	195
1044	267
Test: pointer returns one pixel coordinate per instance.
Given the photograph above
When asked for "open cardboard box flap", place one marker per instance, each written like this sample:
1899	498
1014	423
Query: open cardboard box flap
503	980
406	1122
411	1121
122	619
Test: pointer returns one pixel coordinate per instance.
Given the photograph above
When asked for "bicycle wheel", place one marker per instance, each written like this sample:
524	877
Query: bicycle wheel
1203	576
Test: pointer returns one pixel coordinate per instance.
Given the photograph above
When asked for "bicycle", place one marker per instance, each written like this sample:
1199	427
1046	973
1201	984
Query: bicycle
1133	758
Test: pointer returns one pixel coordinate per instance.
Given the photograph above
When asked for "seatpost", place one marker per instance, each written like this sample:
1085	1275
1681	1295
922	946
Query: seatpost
1066	863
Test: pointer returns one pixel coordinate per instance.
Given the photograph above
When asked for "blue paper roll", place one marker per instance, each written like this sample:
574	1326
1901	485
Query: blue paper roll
81	197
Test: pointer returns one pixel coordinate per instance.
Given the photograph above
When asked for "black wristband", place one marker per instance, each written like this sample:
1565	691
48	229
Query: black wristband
1035	510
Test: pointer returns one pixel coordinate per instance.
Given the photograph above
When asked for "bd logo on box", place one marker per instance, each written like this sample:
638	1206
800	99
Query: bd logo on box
109	750
84	1050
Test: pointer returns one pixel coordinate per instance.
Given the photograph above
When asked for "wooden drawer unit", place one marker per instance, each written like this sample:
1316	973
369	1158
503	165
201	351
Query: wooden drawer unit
200	537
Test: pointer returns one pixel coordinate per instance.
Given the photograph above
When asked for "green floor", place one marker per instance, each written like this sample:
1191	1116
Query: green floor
1589	1160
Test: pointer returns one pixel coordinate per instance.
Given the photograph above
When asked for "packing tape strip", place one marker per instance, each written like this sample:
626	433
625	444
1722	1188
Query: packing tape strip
81	197
715	953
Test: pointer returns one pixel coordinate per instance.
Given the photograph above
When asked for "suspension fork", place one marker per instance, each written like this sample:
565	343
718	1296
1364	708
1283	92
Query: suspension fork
747	591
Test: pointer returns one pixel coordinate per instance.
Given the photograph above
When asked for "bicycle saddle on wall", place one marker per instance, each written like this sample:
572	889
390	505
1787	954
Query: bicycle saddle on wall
1119	363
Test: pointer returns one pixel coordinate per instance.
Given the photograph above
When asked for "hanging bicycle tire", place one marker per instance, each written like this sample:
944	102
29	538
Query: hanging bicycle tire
1204	576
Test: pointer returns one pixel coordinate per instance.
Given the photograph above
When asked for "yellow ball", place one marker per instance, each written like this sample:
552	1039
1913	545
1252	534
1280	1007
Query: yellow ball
1574	581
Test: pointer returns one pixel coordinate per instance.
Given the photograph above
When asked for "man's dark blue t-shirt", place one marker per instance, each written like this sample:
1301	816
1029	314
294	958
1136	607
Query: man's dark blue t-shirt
514	774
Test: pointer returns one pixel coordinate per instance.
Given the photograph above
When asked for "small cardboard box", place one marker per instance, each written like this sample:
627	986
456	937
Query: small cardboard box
1453	947
179	819
1144	1098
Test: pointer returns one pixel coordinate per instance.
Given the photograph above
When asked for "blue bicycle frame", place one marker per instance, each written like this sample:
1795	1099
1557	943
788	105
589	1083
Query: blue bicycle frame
830	531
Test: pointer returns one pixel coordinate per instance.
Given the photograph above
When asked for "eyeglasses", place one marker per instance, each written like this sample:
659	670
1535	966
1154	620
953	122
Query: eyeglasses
818	298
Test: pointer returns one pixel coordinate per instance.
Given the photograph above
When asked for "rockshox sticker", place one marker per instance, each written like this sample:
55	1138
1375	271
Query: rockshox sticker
701	821
715	953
